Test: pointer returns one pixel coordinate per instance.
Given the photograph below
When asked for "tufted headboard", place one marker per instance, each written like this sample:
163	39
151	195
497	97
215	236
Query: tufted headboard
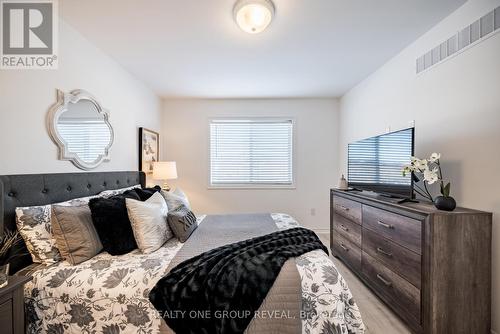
42	189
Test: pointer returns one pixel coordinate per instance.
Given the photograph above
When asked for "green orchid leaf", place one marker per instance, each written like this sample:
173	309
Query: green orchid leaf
446	190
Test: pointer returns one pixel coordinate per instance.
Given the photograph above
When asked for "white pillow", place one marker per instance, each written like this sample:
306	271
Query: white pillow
149	222
175	199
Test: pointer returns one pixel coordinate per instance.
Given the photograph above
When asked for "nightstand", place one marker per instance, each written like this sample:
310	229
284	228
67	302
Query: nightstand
12	305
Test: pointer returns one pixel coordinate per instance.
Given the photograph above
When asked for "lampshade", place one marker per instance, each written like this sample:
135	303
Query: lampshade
164	170
253	16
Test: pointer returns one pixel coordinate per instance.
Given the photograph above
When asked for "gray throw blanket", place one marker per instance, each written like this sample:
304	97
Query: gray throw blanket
219	291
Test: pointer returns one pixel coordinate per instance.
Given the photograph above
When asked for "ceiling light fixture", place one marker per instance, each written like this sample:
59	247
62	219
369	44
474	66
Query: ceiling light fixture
253	16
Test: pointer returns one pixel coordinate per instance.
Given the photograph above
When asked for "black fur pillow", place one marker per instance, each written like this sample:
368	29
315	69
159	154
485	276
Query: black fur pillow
145	193
110	218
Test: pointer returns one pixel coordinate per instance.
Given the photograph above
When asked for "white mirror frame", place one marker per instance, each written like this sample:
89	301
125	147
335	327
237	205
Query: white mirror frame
61	106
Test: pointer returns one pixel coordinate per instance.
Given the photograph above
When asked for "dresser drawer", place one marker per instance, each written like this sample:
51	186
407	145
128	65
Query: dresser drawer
403	230
347	208
347	229
394	289
347	251
401	260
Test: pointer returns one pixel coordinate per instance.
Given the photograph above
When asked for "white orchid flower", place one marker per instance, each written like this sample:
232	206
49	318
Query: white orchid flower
431	176
422	165
418	164
435	157
408	169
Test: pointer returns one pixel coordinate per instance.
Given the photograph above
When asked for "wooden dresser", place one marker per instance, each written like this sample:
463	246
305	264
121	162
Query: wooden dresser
431	267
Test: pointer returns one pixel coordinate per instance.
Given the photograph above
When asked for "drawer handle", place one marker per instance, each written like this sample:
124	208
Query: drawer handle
381	223
382	251
342	226
344	208
383	280
344	247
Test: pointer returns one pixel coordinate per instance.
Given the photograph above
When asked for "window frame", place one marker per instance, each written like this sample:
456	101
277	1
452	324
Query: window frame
243	186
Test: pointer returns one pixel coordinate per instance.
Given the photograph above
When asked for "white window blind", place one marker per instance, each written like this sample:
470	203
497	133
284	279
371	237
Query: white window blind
251	152
88	139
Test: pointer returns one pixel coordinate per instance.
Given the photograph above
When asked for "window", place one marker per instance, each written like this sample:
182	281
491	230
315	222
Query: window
251	152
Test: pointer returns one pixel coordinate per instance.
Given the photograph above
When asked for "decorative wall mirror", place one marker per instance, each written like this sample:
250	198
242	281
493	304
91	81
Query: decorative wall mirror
80	128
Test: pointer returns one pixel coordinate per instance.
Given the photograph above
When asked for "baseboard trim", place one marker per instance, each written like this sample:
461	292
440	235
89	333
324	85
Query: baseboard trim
323	231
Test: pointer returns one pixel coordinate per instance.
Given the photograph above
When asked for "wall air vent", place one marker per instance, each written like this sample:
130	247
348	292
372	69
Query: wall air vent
463	39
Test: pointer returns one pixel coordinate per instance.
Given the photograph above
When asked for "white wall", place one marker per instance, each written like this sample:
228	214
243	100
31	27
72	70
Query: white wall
456	107
185	140
26	95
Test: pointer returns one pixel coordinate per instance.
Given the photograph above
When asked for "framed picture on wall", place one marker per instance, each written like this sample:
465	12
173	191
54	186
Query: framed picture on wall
149	149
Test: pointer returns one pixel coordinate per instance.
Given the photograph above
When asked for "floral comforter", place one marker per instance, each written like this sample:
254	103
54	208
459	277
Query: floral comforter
109	294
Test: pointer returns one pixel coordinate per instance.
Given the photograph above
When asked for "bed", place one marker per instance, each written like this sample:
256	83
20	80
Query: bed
109	294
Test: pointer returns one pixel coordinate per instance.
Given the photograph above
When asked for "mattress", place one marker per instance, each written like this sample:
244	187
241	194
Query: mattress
109	294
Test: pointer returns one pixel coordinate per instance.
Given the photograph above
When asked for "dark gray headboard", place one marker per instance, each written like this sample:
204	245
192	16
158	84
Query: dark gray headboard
42	189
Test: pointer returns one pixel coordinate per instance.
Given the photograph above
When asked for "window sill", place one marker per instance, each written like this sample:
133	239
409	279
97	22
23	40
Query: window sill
252	187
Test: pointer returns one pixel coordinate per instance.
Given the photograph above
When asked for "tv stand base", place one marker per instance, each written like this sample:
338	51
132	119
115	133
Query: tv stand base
399	200
407	200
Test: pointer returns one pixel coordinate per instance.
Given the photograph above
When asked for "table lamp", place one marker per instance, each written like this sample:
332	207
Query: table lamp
165	170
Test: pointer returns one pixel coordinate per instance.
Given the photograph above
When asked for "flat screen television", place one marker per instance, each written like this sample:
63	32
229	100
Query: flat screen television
375	164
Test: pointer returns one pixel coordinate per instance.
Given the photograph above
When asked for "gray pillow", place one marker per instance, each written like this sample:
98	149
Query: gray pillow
175	199
75	234
35	226
182	221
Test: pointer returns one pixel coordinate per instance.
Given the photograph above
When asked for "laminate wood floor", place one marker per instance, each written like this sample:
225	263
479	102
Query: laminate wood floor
378	318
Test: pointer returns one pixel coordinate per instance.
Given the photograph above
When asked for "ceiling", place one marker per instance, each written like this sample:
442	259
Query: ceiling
193	48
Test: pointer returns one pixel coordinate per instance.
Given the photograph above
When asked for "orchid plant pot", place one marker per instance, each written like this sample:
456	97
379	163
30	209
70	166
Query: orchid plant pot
445	203
430	170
